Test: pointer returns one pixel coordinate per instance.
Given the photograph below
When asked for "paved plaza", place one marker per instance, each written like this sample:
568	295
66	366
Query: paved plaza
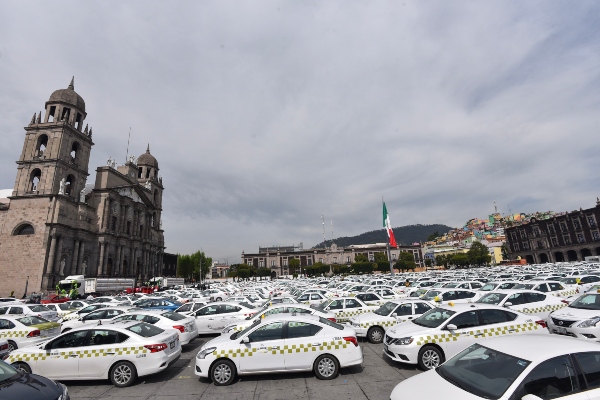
374	381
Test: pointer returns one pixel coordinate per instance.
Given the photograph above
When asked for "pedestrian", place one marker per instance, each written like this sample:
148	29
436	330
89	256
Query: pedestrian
407	283
90	297
12	294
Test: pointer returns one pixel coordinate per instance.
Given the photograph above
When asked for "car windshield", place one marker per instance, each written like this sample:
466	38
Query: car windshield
65	306
431	295
7	372
385	309
243	332
587	302
247	305
434	318
173	316
32	320
568	281
258	313
492	298
482	371
322	305
524	286
488	287
145	330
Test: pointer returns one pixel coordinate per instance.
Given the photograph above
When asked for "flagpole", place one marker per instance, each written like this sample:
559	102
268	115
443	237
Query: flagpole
387	245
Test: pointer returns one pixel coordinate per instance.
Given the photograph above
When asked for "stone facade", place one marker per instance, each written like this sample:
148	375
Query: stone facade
278	259
563	238
55	225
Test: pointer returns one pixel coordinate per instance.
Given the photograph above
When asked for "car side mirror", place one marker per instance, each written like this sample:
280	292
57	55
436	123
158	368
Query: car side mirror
507	304
245	340
394	315
326	308
451	327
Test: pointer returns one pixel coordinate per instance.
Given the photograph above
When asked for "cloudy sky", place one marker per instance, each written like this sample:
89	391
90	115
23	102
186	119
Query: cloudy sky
264	115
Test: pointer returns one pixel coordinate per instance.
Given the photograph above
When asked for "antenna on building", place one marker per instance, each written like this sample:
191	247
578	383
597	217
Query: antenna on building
331	231
323	222
129	137
495	207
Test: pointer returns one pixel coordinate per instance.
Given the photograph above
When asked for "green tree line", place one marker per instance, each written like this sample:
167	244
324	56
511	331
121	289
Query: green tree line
193	266
477	256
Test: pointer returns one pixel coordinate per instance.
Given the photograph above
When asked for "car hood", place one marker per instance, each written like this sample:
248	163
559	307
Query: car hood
569	313
409	329
429	385
30	387
220	340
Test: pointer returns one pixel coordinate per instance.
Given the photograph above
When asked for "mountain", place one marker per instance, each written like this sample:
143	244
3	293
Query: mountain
405	235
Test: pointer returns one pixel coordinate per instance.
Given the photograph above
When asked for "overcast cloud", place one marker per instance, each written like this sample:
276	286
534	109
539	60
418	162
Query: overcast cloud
263	115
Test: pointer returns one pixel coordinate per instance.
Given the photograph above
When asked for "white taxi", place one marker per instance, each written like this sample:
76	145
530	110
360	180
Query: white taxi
120	351
280	343
311	298
80	313
373	325
281	308
190	306
103	314
213	317
345	307
579	319
61	309
186	325
525	301
456	296
442	332
22	331
30	309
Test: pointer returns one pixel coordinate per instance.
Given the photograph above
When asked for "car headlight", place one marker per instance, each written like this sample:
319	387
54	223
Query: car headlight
589	323
65	391
405	340
227	330
203	353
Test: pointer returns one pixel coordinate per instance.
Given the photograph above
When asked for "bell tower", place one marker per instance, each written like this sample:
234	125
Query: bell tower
57	148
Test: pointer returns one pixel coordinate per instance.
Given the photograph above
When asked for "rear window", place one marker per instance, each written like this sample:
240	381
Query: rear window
39	308
145	330
28	321
331	323
173	316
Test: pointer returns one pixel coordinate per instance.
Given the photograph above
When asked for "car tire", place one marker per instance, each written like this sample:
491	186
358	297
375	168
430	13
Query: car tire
223	372
218	299
430	357
21	366
12	346
326	367
123	374
375	335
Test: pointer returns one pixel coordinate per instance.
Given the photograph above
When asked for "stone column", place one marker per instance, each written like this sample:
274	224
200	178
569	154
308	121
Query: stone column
117	262
75	258
100	270
51	254
59	247
80	259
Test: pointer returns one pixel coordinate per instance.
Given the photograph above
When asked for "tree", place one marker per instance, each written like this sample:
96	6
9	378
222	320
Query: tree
201	263
479	254
428	263
294	265
406	261
442	260
362	267
185	266
361	258
433	236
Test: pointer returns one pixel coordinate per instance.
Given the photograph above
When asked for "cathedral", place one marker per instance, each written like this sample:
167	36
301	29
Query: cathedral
53	225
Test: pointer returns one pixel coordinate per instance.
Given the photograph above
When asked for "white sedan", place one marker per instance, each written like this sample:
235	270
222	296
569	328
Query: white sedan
120	351
444	331
579	319
525	301
80	313
213	317
21	331
30	309
373	325
345	307
186	325
62	309
530	367
311	298
103	314
280	343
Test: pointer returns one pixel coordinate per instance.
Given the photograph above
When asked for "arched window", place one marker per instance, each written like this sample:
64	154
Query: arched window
41	145
74	150
34	180
156	196
25	229
139	172
69	185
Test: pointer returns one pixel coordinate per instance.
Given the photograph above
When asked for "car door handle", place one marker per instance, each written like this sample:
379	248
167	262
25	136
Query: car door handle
111	354
74	355
479	334
316	344
512	330
275	348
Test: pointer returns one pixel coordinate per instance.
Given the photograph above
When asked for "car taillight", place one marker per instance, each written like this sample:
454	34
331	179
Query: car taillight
155	348
332	319
564	301
4	347
180	328
351	339
542	323
35	333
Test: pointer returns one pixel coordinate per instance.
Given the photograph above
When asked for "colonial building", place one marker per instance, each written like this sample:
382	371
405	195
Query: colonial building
277	258
568	237
54	225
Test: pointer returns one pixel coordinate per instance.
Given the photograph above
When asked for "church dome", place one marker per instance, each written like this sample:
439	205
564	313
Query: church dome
68	96
147	159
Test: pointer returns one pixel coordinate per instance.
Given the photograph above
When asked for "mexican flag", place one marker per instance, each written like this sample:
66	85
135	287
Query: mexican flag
388	226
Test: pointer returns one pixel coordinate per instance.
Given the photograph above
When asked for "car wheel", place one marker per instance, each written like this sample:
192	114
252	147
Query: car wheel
22	367
122	374
430	357
12	346
223	372
326	367
219	299
376	335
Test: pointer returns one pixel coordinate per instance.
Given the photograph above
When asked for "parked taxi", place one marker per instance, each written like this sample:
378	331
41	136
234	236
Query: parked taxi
345	307
22	331
525	301
280	343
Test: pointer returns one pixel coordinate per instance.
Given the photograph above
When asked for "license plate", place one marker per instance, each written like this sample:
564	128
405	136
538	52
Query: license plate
172	344
561	331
